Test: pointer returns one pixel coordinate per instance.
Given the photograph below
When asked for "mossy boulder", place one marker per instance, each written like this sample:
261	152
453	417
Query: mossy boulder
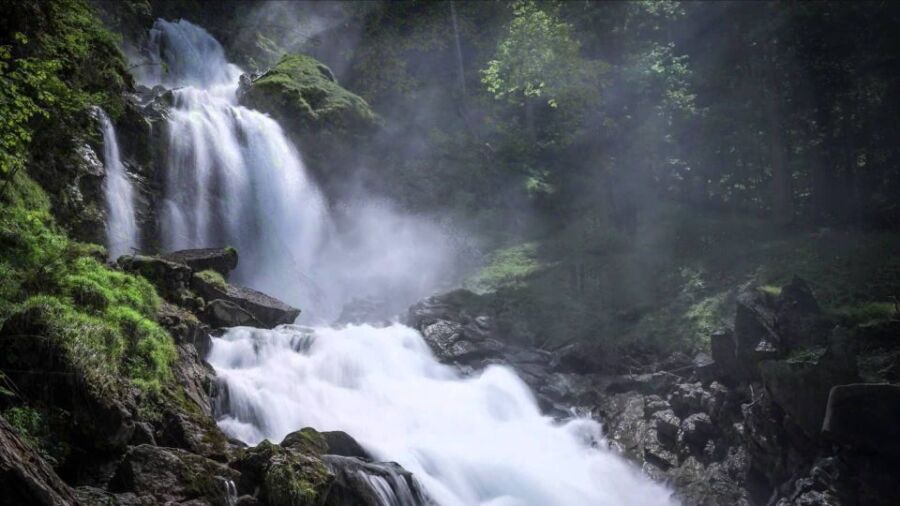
290	474
303	95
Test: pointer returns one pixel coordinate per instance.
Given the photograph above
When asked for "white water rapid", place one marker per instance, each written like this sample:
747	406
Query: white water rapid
469	441
118	192
233	178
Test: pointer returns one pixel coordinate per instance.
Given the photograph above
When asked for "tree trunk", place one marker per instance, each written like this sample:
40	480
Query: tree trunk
782	187
529	118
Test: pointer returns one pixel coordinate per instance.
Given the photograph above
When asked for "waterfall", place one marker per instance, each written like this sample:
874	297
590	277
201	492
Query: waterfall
118	192
469	441
233	178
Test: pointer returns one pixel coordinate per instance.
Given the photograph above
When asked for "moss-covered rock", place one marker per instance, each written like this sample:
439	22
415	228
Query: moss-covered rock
303	95
290	474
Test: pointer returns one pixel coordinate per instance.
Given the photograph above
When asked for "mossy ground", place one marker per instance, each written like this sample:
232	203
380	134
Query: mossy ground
213	278
104	318
674	281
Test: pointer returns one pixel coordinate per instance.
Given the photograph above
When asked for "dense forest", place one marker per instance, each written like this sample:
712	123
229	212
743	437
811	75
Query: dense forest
676	220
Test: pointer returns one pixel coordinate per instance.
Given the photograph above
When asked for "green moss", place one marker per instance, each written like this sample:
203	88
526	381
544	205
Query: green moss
708	315
213	278
307	440
508	268
295	480
867	312
302	93
772	290
150	348
104	319
36	429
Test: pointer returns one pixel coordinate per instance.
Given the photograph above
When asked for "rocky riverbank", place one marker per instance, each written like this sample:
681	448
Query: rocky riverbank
785	408
126	450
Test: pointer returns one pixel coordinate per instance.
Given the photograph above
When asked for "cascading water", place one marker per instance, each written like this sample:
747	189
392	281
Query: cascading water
233	178
469	441
121	224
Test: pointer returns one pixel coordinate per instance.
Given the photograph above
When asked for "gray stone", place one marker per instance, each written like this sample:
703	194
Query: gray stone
865	416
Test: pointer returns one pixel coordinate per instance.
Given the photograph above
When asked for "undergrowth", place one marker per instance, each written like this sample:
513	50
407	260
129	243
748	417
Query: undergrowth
105	319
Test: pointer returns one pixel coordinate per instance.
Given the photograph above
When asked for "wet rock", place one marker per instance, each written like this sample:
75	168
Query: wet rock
800	384
865	417
666	424
372	484
340	443
657	452
654	403
221	260
765	438
173	475
625	425
696	430
687	398
25	478
699	485
284	476
222	314
724	353
754	331
798	318
196	434
268	311
170	278
184	327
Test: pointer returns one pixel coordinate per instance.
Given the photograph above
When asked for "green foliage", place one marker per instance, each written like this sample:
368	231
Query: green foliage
105	319
36	429
537	57
507	268
213	278
94	285
57	61
867	312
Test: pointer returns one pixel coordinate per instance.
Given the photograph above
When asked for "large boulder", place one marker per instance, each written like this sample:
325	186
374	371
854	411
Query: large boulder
801	383
865	417
221	260
220	313
303	94
798	319
267	311
25	478
768	326
754	332
171	475
170	278
364	483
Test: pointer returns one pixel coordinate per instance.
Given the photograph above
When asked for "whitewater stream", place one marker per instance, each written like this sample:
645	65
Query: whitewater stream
234	178
121	223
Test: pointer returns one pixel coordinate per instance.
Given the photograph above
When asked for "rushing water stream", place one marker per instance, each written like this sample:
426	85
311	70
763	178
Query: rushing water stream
234	178
121	224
